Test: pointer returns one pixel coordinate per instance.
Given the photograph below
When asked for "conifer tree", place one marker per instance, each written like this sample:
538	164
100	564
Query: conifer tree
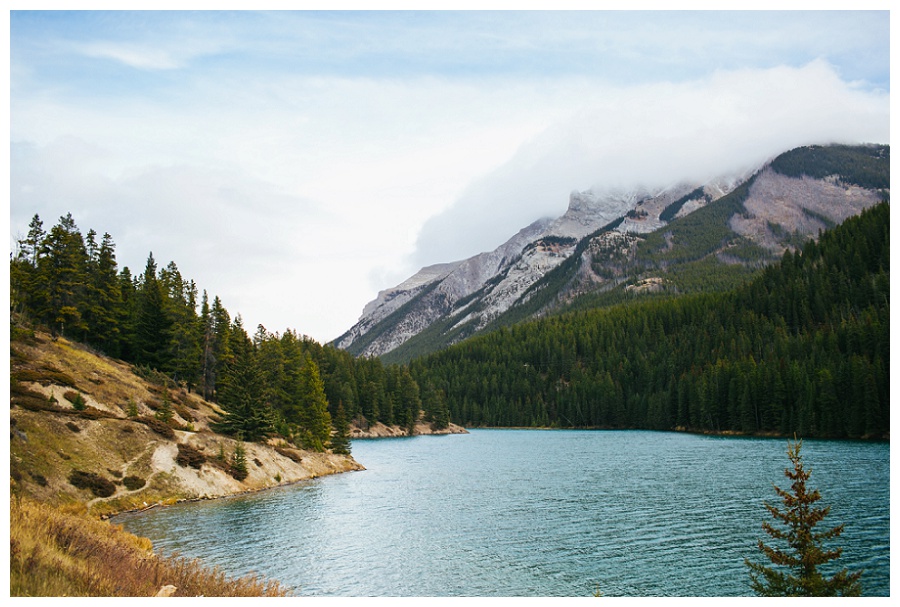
340	439
31	246
104	295
241	391
59	288
23	268
312	408
152	324
797	569
238	466
165	412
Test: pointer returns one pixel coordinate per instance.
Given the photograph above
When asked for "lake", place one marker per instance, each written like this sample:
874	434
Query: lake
500	513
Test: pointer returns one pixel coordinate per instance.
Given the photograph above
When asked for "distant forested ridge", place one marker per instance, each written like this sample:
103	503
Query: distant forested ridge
268	383
863	166
803	348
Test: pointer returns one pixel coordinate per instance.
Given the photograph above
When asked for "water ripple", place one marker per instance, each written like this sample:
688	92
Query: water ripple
527	513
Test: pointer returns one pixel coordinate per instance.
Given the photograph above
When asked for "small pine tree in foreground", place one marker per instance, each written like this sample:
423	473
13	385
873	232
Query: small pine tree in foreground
239	462
797	573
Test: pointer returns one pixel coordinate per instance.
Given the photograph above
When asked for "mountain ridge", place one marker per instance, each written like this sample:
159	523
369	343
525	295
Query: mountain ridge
451	301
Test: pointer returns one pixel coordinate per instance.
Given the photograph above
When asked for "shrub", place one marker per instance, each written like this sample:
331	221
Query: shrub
290	454
182	411
17	389
45	377
189	456
73	427
40	479
94	413
157	426
57	553
98	485
33	402
133	483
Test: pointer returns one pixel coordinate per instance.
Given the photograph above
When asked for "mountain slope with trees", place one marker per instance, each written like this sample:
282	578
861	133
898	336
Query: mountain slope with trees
266	384
803	348
683	239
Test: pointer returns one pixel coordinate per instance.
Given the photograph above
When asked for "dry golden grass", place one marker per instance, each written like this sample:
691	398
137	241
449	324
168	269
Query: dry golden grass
64	552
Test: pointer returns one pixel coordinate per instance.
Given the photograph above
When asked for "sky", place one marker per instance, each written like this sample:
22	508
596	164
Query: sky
296	163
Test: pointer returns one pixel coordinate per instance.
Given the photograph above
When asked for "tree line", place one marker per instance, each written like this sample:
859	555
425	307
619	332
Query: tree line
803	348
267	383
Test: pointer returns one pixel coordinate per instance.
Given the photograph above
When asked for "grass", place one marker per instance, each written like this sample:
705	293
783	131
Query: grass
65	552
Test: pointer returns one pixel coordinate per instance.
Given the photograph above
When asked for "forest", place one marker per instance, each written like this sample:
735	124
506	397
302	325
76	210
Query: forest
803	348
268	383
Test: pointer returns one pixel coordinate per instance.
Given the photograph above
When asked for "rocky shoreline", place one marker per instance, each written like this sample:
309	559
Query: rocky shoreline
379	430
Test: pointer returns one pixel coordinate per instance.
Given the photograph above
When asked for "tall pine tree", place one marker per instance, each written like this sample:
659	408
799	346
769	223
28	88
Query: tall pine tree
241	391
311	409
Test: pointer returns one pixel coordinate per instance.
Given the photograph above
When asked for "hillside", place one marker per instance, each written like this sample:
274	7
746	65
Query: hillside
116	449
802	349
612	245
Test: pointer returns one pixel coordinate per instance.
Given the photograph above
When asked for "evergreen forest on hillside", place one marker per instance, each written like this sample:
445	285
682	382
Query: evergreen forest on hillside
697	252
268	383
803	348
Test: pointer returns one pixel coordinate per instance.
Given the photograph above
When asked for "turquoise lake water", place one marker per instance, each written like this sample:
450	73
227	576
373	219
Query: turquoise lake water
499	513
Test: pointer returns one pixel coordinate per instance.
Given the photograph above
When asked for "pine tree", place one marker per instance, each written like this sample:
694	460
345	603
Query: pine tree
312	409
238	466
152	325
31	245
241	391
23	268
797	572
59	288
165	412
104	295
340	439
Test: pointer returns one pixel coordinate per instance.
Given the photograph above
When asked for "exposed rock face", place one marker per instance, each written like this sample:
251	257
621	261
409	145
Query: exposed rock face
452	301
802	206
379	430
477	290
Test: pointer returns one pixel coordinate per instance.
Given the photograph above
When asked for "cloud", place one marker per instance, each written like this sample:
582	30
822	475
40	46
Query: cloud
288	161
132	55
653	135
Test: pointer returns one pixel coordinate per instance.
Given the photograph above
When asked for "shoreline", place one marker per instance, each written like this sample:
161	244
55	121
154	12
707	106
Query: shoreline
723	433
108	516
381	432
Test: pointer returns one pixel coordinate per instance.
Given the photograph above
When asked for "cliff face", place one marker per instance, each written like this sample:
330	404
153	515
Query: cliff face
112	455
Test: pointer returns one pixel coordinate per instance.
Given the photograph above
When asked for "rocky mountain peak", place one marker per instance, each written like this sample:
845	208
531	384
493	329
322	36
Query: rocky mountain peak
555	260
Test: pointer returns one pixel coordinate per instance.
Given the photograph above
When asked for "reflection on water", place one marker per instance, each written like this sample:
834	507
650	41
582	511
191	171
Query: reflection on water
535	513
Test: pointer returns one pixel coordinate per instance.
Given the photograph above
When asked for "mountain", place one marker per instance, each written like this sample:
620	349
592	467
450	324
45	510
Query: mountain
800	349
611	244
